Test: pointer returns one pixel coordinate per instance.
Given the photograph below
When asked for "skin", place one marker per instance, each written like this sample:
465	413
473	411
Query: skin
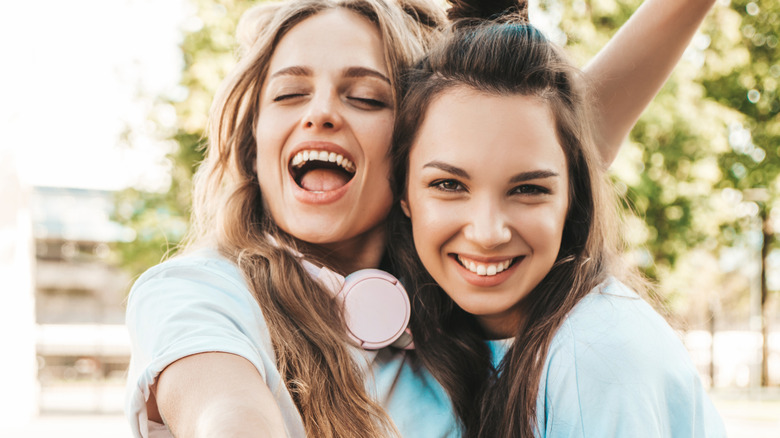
487	186
233	402
635	63
625	76
312	99
317	99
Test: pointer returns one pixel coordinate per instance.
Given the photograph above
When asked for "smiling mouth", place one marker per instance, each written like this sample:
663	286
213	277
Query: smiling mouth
321	171
486	269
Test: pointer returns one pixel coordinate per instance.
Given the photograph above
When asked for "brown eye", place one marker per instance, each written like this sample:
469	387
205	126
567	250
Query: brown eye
531	189
447	185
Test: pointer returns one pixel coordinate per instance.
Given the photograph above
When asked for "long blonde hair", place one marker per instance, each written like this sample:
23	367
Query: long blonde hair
306	328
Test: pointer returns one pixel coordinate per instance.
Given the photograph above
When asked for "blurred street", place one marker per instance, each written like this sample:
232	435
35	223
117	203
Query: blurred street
746	414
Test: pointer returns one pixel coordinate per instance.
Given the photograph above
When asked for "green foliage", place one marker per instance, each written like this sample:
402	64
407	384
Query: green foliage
686	173
161	219
709	139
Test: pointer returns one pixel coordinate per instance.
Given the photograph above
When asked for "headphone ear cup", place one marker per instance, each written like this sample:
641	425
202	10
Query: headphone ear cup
376	308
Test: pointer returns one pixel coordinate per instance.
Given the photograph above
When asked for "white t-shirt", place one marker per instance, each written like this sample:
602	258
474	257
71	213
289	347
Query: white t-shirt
615	368
200	303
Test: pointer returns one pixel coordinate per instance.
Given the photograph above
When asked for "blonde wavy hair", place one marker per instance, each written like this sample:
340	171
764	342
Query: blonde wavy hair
306	328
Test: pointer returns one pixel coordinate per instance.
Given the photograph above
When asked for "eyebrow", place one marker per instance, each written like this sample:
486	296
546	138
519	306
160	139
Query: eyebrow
520	177
361	72
533	174
295	70
349	72
449	168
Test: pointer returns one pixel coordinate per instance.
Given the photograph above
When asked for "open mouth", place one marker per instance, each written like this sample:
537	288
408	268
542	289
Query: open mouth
321	171
486	269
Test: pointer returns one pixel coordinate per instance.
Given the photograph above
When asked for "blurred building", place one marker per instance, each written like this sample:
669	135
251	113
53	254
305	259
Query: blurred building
17	316
81	344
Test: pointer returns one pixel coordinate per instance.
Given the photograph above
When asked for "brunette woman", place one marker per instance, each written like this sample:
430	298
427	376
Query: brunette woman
235	337
511	251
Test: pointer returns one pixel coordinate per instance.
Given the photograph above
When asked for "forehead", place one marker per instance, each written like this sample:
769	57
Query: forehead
491	132
331	40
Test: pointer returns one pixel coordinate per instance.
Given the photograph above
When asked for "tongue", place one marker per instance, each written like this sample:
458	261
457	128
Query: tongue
323	180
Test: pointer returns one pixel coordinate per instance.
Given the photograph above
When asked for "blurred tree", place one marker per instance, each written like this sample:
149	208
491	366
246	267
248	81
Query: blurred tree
751	166
667	170
161	219
700	170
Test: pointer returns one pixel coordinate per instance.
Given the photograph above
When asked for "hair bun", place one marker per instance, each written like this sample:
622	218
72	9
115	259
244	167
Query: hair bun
492	10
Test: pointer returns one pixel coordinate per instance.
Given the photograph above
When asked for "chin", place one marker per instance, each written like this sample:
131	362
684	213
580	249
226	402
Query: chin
316	236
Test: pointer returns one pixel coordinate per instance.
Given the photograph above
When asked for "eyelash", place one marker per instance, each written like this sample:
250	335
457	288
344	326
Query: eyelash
451	185
287	97
373	103
531	189
441	185
370	102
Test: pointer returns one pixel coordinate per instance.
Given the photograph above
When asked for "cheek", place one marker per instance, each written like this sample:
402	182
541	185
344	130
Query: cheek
265	163
272	130
376	135
433	224
547	230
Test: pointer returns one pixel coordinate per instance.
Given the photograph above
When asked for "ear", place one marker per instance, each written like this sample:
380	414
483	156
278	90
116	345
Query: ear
405	208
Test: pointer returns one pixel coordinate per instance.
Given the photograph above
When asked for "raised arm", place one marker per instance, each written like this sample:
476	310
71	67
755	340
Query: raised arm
630	70
216	394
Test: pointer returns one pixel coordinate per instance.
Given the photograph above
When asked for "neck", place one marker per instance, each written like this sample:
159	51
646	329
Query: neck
505	325
360	252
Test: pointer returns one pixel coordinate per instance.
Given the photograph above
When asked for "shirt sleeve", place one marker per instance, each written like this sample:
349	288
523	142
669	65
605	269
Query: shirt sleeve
616	368
185	307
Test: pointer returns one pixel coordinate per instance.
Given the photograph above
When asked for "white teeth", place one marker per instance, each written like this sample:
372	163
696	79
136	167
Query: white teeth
311	155
485	269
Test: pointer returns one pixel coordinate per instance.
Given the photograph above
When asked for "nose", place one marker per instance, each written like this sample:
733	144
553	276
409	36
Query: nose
488	227
323	112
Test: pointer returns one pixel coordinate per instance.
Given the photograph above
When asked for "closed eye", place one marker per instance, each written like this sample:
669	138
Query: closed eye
447	185
290	96
367	103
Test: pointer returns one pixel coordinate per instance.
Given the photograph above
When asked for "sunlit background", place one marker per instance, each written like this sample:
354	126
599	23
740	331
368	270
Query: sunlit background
102	106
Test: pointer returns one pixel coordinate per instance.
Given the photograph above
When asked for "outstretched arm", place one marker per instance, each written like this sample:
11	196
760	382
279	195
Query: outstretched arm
216	394
630	70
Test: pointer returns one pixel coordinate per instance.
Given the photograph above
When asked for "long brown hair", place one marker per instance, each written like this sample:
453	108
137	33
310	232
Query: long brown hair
509	57
307	330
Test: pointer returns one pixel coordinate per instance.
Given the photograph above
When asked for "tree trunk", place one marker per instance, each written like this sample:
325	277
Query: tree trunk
765	246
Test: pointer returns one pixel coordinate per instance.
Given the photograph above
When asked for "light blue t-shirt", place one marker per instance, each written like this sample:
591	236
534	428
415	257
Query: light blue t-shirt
615	368
201	303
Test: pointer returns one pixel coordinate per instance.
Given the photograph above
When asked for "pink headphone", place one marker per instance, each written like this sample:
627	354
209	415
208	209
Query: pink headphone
374	303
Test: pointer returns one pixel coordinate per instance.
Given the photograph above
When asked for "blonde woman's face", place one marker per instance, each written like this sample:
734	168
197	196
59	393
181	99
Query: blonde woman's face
488	196
323	134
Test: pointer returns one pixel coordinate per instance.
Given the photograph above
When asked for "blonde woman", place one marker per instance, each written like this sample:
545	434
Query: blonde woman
236	337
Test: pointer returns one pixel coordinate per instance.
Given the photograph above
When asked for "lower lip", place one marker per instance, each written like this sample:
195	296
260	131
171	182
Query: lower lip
318	198
486	280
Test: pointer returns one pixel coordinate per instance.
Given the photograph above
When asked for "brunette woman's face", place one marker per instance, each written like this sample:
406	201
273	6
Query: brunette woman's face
487	196
324	130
